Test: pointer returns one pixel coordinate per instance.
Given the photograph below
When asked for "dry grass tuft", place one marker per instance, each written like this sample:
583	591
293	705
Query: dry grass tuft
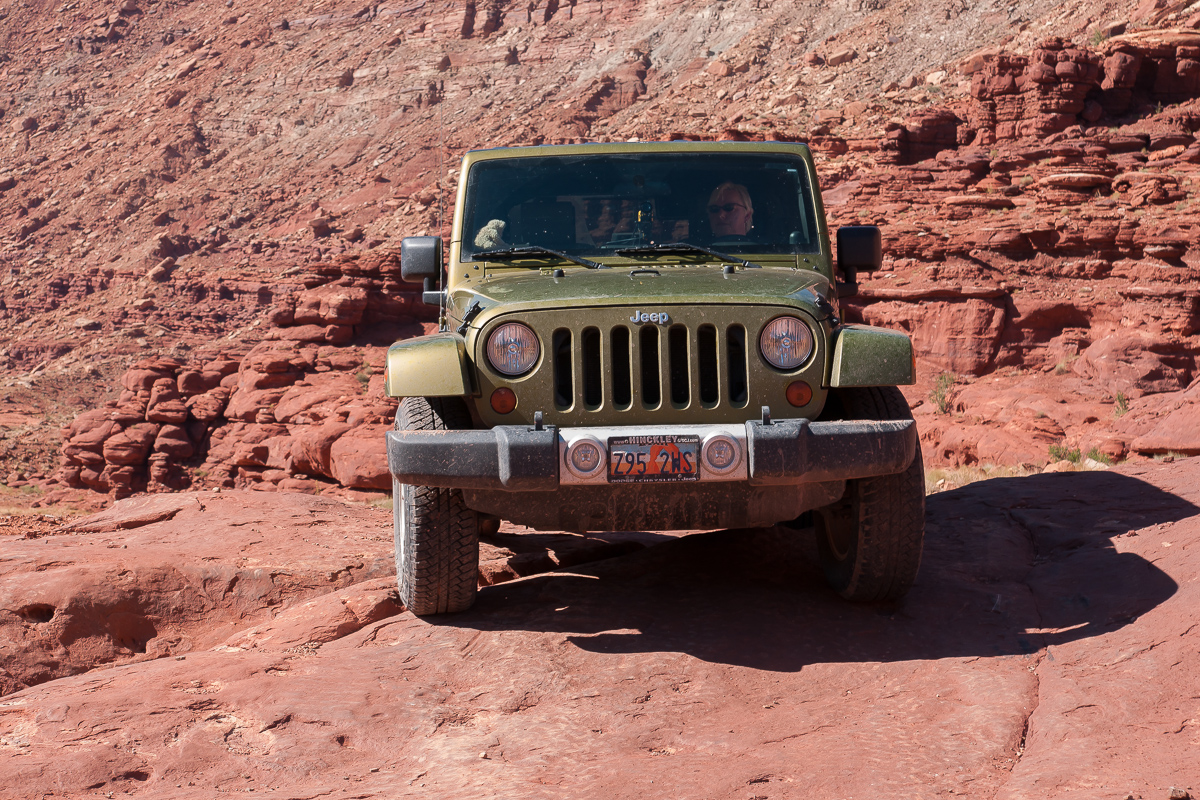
939	479
943	479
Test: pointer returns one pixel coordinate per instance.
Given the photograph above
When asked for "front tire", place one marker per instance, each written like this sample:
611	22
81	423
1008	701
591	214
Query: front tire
870	541
436	535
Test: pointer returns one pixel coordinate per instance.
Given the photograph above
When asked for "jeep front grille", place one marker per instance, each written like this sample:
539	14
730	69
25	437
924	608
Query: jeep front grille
599	367
616	368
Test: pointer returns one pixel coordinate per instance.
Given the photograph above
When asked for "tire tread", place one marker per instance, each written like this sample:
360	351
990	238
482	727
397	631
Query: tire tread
891	514
442	574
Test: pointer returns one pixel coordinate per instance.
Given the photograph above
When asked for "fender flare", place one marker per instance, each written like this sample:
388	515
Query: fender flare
429	366
864	355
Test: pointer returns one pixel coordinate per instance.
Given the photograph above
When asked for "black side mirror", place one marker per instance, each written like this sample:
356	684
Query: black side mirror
421	261
860	249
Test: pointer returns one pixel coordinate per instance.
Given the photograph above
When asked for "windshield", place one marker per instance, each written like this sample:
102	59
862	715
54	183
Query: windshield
594	205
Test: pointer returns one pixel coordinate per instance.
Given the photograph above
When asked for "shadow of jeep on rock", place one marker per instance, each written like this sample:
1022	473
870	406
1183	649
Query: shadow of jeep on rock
1012	566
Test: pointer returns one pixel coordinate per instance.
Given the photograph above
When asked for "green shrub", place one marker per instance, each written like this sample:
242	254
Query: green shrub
1059	452
1122	405
363	376
940	395
1104	458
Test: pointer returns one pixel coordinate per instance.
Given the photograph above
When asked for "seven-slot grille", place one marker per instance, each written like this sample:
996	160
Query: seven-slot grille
624	367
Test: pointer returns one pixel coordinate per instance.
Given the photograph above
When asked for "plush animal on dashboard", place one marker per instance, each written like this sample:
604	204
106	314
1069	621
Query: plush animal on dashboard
491	236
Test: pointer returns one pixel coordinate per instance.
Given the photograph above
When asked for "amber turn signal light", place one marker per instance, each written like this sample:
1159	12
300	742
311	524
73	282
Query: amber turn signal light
504	400
799	394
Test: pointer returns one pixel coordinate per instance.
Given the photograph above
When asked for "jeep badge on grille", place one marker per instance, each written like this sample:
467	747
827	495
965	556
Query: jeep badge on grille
661	318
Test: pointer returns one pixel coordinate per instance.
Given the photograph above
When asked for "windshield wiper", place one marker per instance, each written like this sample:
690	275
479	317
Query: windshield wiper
505	253
684	247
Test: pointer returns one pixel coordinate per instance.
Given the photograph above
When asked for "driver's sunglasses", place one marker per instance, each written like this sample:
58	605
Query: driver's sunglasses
727	208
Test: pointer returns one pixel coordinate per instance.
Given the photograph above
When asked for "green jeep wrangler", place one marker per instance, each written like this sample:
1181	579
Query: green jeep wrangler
646	336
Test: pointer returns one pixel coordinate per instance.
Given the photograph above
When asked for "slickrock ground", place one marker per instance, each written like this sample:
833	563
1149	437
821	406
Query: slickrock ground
1048	650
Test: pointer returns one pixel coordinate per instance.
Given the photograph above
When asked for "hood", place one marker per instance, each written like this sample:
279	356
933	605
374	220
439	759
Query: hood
665	285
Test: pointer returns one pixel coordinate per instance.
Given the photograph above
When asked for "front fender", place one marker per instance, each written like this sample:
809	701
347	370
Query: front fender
429	366
867	356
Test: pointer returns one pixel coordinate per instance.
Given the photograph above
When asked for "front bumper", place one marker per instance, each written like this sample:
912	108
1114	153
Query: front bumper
518	458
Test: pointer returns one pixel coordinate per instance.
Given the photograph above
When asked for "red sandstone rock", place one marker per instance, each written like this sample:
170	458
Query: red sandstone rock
164	474
312	448
1136	363
173	411
323	619
314	334
358	458
845	56
1178	430
958	336
142	379
222	367
131	445
1068	599
121	480
209	406
252	444
251	454
173	442
158	593
87	445
191	382
116	449
244	404
368	411
966	445
311	401
331	305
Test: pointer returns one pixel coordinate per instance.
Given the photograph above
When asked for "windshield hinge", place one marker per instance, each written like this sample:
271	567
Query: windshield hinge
471	313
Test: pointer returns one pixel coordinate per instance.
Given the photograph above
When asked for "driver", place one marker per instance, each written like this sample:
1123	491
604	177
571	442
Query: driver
730	212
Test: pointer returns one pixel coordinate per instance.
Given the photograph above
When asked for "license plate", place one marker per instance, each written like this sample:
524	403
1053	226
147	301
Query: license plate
653	459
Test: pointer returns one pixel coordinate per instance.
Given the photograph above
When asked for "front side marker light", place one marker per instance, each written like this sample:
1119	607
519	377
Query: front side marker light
504	400
785	342
799	393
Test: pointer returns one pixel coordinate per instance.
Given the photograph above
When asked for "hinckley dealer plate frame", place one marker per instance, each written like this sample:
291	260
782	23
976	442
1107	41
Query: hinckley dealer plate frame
666	458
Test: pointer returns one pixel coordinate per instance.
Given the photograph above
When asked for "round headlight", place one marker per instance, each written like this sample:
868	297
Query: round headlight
512	348
786	342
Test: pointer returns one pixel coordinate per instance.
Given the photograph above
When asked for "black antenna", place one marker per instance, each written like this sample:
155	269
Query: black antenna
442	288
441	153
